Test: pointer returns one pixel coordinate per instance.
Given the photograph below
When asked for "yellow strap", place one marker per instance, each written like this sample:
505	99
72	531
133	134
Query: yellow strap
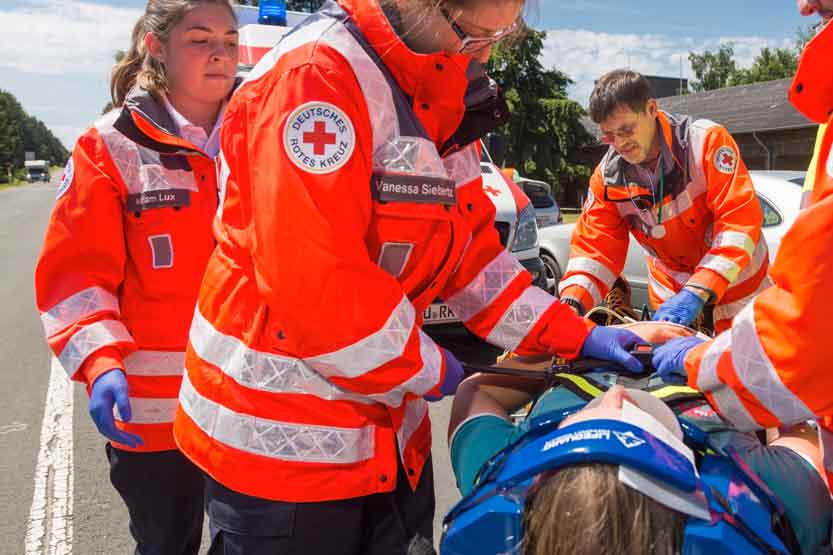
670	390
810	178
582	384
660	393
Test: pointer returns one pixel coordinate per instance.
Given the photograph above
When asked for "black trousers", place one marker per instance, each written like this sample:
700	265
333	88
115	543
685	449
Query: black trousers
379	524
164	494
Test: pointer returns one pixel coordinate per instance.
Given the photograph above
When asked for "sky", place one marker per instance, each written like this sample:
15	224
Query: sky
56	55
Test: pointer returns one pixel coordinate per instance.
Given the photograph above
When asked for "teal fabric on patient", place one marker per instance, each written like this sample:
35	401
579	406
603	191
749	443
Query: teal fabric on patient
788	475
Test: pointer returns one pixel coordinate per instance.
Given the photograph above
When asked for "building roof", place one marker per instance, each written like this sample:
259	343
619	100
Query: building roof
742	109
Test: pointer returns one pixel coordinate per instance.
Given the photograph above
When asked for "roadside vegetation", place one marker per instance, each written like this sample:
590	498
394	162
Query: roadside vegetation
21	133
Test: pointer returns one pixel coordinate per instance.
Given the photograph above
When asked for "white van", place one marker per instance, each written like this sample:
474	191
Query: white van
515	215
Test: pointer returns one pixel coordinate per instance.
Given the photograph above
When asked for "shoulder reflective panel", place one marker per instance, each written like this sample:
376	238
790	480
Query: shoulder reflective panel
744	517
151	179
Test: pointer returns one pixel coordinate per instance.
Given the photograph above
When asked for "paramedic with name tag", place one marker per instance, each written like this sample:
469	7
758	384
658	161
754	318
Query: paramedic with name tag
125	251
353	200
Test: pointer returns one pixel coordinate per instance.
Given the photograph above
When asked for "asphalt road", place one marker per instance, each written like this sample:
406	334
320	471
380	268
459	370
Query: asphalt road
55	492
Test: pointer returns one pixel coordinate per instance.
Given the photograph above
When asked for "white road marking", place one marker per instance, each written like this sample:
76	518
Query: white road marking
49	530
13	427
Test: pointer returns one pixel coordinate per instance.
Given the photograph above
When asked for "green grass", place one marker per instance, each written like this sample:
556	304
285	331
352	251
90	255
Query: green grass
571	218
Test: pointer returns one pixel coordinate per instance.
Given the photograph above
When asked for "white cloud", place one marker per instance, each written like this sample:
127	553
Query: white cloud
57	56
64	37
586	55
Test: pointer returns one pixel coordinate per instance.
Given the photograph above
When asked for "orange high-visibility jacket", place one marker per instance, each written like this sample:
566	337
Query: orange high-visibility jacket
123	257
353	199
711	217
773	367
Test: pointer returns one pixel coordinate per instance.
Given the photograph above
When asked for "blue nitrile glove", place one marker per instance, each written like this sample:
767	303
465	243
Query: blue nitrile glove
612	344
669	359
453	376
683	308
111	389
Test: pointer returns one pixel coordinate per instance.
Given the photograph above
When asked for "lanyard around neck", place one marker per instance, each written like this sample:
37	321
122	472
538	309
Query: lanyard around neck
661	188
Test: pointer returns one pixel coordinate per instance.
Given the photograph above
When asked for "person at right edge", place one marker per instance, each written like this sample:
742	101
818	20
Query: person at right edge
351	164
772	368
678	185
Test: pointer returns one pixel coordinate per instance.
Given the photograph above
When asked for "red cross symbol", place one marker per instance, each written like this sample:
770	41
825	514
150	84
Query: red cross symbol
491	190
319	138
728	160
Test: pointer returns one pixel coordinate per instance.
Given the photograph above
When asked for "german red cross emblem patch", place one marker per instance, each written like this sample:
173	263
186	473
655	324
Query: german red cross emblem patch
725	160
319	137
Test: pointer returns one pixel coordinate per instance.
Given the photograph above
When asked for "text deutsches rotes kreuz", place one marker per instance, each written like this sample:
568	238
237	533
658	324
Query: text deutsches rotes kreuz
319	137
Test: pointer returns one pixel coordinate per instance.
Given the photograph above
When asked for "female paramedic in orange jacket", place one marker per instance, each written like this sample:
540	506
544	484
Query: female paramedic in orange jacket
353	199
772	368
125	251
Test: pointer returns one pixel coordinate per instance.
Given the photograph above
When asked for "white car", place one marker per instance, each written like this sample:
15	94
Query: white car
779	193
515	221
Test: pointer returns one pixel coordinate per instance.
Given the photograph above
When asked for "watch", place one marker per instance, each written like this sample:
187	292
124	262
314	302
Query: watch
575	304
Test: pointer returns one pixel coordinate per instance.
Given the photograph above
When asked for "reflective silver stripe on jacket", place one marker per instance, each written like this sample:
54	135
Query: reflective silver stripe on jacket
585	283
721	265
463	167
89	339
258	370
274	439
155	363
735	239
77	307
730	310
378	348
726	400
282	374
144	410
486	286
756	372
518	321
416	411
593	267
141	168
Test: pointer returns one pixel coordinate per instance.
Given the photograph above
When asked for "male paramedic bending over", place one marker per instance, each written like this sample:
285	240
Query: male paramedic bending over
679	186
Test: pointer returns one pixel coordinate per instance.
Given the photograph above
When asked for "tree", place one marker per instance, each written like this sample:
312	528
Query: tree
11	132
769	65
714	70
544	132
20	132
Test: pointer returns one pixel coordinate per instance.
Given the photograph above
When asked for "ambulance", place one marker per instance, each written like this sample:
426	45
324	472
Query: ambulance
515	216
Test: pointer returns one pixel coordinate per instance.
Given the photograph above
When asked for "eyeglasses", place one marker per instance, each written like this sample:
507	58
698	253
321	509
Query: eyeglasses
472	45
624	132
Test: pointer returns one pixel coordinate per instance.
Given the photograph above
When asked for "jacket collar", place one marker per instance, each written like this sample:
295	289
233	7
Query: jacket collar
150	118
408	67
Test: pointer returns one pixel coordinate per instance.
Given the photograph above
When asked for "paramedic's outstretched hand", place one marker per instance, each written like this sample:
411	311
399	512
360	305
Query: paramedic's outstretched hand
669	359
683	308
108	390
453	376
612	344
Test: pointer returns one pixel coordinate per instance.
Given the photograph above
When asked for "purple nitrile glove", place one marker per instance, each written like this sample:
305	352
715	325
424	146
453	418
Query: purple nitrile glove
453	376
613	344
108	390
669	359
683	308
